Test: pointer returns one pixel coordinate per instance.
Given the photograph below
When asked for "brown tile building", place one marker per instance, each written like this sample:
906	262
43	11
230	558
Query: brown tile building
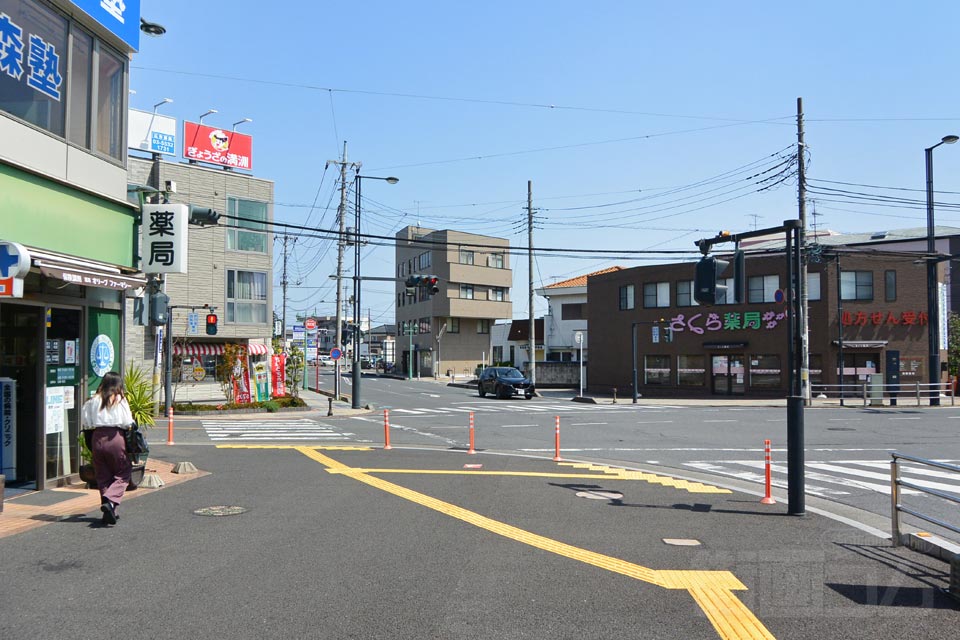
690	350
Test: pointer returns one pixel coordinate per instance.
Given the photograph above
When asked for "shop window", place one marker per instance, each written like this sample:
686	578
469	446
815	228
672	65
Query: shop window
813	286
762	288
685	294
246	297
691	371
656	369
765	372
856	285
247	234
890	286
626	297
656	294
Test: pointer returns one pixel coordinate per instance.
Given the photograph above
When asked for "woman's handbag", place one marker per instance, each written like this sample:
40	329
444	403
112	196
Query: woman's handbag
137	446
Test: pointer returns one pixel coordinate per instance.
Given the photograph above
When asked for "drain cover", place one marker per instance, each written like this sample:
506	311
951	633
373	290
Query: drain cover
220	510
600	495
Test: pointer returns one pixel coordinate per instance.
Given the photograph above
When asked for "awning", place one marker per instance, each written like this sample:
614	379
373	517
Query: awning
862	344
215	349
87	273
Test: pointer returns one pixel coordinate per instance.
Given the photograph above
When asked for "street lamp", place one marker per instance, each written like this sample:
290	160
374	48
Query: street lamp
240	122
355	399
209	112
933	298
161	103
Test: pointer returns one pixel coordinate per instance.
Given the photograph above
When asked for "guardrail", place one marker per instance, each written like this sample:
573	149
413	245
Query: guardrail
896	483
868	392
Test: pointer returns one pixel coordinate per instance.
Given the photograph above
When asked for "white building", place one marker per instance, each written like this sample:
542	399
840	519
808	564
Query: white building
566	317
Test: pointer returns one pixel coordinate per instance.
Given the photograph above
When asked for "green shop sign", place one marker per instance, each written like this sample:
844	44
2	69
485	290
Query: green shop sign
63	376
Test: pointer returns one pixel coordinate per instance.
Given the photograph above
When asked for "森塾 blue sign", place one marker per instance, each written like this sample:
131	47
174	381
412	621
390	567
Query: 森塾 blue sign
120	17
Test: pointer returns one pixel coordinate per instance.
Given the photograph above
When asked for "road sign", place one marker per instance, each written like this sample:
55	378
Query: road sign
779	296
193	324
335	353
310	324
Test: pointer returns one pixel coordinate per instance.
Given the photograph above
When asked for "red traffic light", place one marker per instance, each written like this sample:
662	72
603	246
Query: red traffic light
211	324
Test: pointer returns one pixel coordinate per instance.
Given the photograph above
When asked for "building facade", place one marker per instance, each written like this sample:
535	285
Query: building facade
449	332
874	310
68	250
566	317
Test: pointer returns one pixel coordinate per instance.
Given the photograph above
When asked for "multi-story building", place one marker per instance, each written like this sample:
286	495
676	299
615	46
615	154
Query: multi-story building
68	235
450	331
229	266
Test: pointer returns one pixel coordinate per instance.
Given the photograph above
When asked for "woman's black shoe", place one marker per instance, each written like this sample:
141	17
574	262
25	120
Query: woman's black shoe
109	513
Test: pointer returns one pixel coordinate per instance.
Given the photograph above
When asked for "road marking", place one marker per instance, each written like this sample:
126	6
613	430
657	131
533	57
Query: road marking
721	421
711	590
517	426
906	418
585	424
656	422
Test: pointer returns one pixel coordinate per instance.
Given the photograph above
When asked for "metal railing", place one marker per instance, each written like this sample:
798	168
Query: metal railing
896	483
867	392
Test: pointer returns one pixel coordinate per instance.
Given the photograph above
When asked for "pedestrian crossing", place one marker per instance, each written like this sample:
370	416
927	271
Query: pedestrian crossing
837	478
273	430
524	407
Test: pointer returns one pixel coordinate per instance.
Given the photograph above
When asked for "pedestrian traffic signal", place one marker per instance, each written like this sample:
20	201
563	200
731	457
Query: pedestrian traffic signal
159	311
203	216
211	324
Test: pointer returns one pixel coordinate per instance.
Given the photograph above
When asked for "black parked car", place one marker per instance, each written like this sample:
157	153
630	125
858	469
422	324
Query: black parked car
504	382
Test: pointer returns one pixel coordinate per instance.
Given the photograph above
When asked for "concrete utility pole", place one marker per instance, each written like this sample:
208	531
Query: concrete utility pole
341	215
802	276
283	286
533	327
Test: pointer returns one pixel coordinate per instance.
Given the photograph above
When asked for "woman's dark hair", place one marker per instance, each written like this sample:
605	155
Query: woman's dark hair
110	389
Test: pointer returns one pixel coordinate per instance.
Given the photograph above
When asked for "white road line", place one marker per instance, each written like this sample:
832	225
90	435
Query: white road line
844	419
823	477
906	418
759	478
585	424
883	476
656	422
721	421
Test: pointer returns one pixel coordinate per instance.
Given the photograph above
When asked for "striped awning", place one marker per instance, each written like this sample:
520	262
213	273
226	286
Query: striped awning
215	349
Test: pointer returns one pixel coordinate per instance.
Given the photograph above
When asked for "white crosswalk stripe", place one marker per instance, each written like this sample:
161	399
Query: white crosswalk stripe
837	477
483	406
263	430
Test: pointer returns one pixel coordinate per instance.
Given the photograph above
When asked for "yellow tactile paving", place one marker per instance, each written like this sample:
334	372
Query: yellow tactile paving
711	590
667	481
17	518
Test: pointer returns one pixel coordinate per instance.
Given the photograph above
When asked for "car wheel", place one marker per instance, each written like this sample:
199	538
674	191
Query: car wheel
528	396
481	391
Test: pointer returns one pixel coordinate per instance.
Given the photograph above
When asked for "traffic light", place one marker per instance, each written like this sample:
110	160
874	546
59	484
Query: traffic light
159	311
411	286
211	324
428	283
203	216
710	269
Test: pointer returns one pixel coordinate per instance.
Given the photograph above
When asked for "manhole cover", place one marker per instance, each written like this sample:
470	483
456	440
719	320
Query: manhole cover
220	510
600	495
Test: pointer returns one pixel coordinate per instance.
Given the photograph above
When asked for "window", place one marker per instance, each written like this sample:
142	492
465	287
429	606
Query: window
81	61
685	294
498	294
656	369
110	105
495	260
656	294
466	257
497	354
424	325
626	297
890	286
727	296
856	285
453	325
762	288
246	297
424	260
483	325
765	372
466	291
573	311
247	234
691	371
813	286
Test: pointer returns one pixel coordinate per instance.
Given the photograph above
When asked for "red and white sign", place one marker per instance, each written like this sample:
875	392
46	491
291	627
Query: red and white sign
278	377
217	146
241	380
310	324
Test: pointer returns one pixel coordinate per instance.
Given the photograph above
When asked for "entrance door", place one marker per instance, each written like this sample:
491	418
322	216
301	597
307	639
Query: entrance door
62	397
21	361
727	374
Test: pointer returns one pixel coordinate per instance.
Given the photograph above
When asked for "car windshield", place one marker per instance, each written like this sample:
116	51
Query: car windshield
509	372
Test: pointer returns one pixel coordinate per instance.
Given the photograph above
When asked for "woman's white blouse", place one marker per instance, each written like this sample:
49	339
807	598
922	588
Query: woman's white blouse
117	415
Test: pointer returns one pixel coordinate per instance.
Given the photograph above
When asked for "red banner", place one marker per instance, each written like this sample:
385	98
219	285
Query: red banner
278	376
241	380
217	146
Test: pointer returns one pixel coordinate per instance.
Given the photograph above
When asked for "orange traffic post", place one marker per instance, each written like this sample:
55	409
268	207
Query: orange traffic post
556	439
471	450
386	429
767	497
170	426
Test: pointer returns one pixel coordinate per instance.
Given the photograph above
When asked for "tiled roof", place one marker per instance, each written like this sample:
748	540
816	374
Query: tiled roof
580	281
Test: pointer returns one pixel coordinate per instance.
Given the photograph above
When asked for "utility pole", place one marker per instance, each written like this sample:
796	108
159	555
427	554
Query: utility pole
533	328
341	215
802	249
283	285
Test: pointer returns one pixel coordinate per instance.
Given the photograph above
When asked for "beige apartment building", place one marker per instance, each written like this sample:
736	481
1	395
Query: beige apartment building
449	333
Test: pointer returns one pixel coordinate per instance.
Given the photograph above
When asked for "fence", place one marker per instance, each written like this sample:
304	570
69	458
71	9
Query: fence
895	485
878	393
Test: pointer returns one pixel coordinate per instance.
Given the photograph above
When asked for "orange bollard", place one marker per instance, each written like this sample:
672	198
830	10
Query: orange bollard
471	450
170	426
386	429
556	439
767	498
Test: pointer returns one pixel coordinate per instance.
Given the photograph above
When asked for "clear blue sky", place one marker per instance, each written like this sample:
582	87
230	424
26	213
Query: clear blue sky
641	124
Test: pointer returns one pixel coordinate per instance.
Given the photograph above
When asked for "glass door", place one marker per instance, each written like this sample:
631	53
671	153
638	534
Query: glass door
21	367
727	374
62	396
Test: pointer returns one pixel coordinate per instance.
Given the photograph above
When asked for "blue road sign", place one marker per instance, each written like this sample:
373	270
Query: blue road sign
335	353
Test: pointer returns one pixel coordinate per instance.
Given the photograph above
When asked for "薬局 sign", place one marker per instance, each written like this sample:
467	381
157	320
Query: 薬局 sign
216	146
120	17
164	232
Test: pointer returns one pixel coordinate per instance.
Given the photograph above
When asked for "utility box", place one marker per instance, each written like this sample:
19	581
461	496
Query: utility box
891	373
875	389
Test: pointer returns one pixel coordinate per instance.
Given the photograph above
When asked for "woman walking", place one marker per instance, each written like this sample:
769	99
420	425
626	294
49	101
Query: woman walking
108	415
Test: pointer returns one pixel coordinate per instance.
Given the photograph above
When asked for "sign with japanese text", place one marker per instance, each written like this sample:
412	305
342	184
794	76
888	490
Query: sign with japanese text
700	323
880	318
14	267
151	132
30	58
56	409
241	380
164	233
120	17
216	146
8	427
193	324
278	379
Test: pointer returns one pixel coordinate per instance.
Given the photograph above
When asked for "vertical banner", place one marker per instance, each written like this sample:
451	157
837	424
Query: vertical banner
241	380
278	371
260	381
8	428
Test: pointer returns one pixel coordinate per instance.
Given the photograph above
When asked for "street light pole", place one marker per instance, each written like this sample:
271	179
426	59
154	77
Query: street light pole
933	297
355	396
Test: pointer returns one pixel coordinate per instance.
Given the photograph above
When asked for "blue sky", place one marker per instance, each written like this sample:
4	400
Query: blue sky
642	125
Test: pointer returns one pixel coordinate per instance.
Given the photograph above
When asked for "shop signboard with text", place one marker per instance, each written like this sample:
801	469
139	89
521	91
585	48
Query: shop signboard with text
120	17
164	232
217	146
